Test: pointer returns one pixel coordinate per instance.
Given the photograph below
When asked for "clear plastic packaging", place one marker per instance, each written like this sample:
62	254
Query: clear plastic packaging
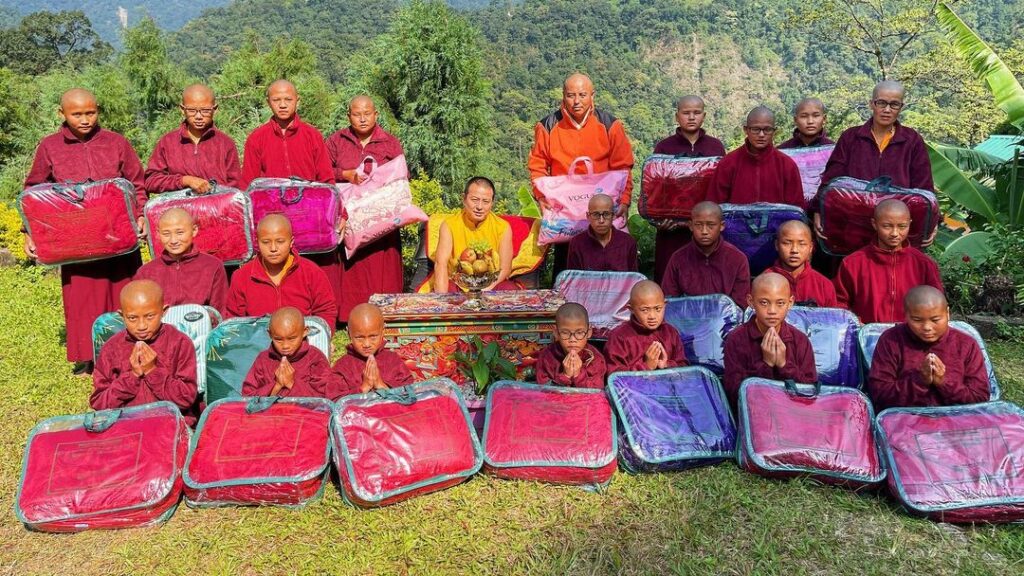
223	216
811	161
568	196
604	295
703	323
671	186
752	229
379	205
313	208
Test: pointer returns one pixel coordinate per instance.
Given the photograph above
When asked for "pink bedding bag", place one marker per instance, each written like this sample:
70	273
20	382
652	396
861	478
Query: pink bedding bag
313	208
568	197
960	464
670	186
379	205
394	444
259	451
80	222
604	295
811	161
223	216
825	432
550	434
102	470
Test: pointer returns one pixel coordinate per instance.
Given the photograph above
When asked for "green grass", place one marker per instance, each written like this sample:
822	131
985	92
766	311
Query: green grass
715	520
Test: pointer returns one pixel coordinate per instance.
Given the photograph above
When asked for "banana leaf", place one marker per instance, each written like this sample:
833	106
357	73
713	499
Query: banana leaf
959	186
974	245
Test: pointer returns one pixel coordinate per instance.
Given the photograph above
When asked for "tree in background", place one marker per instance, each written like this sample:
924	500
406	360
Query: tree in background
157	81
45	40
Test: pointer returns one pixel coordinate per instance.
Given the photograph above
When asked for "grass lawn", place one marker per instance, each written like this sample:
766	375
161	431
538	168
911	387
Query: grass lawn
715	520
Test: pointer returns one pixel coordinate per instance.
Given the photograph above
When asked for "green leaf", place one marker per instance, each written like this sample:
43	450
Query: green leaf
488	353
505	369
968	159
987	65
973	245
527	203
961	188
482	376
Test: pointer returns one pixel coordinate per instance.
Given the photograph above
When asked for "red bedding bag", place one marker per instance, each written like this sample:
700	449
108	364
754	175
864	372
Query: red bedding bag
222	216
80	222
846	206
824	432
255	451
670	186
549	433
961	464
391	445
102	470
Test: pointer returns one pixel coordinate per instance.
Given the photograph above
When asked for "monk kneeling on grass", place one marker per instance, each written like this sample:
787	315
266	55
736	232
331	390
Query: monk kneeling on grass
570	359
148	361
186	275
291	366
921	362
795	246
766	346
646	342
367	366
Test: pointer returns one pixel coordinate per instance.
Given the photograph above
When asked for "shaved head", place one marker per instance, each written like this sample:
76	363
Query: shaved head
794	226
768	283
759	113
361	100
281	85
888	86
274	222
197	92
142	293
707	208
646	289
578	80
176	215
809	103
924	296
286	319
365	316
891	206
77	96
599	202
366	329
572	311
689	100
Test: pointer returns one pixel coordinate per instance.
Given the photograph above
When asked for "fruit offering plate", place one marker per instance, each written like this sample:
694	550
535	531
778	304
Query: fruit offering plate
510	303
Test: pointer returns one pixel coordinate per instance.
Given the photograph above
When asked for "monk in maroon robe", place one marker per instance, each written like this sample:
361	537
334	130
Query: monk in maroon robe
601	247
186	275
570	360
196	154
922	362
286	146
290	367
81	150
367	365
810	118
766	346
757	171
873	280
690	140
148	361
646	342
377	267
708	264
795	245
278	277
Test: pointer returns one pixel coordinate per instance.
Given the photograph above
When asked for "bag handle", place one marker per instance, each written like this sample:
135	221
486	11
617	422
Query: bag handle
760	227
71	192
373	166
791	388
260	404
404	395
299	185
880	184
587	161
100	421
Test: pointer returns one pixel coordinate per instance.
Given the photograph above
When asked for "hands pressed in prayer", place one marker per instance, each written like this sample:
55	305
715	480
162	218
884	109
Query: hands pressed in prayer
142	359
773	350
572	366
284	376
655	357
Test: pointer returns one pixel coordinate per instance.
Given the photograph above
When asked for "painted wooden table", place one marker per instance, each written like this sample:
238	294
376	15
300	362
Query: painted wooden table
427	329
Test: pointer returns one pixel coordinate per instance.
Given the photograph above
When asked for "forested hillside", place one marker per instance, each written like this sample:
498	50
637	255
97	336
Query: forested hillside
168	14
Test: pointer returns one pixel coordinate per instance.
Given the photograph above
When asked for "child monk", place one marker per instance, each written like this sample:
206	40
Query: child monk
186	275
278	277
766	346
601	247
646	342
148	361
708	264
795	246
570	360
921	362
873	280
809	117
290	367
367	366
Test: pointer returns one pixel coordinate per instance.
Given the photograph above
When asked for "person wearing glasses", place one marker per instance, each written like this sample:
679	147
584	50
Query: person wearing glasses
195	154
646	342
570	360
602	248
757	171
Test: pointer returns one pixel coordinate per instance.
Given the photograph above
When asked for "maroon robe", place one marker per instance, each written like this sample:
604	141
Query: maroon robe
377	267
303	286
173	379
313	376
587	253
214	158
349	369
744	358
725	271
872	282
298	151
628	343
894	379
746	177
196	278
810	288
89	289
905	159
549	368
795	142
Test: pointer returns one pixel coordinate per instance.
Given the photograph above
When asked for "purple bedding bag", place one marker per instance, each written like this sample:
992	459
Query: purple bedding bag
752	228
313	208
603	294
671	419
703	323
811	161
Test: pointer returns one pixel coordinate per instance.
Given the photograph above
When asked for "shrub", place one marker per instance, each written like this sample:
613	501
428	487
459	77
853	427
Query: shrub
10	232
993	285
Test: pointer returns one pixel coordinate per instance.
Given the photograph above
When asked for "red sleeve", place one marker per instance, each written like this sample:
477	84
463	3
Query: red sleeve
321	378
42	168
539	162
574	260
397	374
974	386
232	166
843	284
735	367
344	384
621	157
236	305
594	374
252	161
219	290
933	277
110	389
741	285
131	170
802	368
886	386
331	144
920	166
617	353
633	260
670	278
174	378
324	168
158	175
258	382
720	186
322	297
